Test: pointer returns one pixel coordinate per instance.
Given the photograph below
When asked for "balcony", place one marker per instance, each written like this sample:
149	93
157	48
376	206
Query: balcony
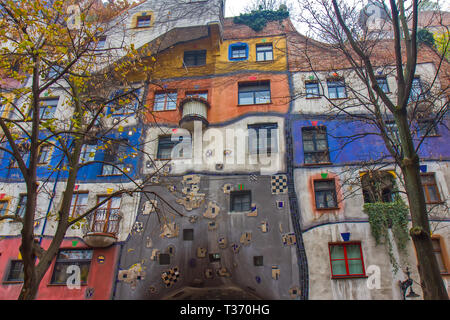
103	228
194	109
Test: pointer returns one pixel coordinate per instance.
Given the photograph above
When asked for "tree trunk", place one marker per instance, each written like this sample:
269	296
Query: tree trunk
430	276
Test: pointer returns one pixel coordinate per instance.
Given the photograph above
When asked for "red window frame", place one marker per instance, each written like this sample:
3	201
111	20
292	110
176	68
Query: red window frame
347	275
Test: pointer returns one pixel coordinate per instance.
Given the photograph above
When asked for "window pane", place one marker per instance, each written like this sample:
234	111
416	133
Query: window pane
171	101
159	102
440	262
355	267
262	97
246	98
353	251
339	267
337	252
3	206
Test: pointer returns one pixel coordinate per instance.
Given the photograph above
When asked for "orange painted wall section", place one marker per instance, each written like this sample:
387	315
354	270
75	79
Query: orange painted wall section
222	96
101	275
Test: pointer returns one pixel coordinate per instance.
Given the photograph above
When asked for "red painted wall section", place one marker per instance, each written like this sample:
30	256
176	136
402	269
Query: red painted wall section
101	275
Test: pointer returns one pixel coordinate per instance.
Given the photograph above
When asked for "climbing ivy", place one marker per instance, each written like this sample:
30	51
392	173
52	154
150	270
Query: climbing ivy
389	215
425	36
257	19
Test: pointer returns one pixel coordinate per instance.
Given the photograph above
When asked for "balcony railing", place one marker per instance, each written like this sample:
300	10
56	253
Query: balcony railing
103	227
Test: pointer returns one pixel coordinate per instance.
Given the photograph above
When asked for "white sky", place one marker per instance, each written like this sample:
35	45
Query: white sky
235	7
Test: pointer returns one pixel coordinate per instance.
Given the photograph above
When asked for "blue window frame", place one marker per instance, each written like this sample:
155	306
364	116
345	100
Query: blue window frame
238	51
143	21
312	89
254	93
382	82
336	89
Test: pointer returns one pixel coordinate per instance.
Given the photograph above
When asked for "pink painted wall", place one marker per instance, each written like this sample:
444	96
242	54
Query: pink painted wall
101	275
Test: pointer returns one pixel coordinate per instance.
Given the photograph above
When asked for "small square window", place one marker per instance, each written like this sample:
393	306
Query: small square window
214	257
166	145
143	21
194	58
336	89
238	51
188	234
164	258
346	260
325	194
264	52
240	201
312	89
165	101
258	261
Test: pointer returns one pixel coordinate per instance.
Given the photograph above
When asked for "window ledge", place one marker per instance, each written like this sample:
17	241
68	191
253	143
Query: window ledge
326	209
317	164
254	104
63	285
431	136
434	203
12	282
346	98
313	98
348	277
110	175
265	61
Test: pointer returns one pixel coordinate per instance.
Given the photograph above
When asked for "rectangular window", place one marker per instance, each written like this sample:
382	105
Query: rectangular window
325	194
312	89
47	108
24	150
165	101
240	201
254	93
263	138
264	52
202	94
336	89
430	188
15	272
114	159
21	206
44	154
417	92
166	145
437	250
124	102
67	258
78	204
378	186
315	145
383	84
101	43
143	21
427	128
88	153
54	71
3	207
346	260
194	58
238	52
107	217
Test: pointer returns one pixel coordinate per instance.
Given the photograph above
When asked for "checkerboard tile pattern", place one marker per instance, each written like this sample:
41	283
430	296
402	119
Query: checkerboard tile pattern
279	184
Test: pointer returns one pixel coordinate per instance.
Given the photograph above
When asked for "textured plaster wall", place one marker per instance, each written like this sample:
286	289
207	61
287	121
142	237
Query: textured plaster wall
230	225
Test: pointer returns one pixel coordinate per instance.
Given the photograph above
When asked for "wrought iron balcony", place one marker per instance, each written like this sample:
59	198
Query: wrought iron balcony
103	227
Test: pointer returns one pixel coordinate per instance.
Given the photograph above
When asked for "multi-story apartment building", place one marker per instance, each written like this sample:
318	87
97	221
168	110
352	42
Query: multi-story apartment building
247	193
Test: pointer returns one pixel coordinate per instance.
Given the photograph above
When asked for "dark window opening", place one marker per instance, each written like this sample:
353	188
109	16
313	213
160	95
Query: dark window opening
214	257
325	194
336	89
430	188
67	258
263	138
312	89
164	258
254	93
194	58
188	234
315	145
143	21
240	201
15	272
258	261
378	186
264	52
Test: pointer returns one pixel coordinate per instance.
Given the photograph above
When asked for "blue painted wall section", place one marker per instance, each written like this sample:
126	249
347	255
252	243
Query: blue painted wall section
343	150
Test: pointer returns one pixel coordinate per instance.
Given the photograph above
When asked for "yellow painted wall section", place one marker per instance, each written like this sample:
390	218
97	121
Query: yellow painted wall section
279	62
169	63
